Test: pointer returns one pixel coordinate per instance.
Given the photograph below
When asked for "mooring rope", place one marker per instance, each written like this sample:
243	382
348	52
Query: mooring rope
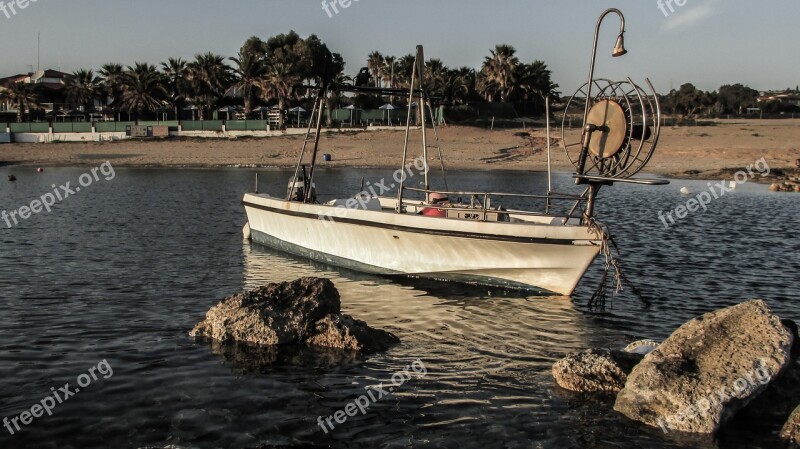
612	262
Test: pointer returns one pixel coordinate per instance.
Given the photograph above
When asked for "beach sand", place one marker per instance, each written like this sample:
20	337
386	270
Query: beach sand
683	151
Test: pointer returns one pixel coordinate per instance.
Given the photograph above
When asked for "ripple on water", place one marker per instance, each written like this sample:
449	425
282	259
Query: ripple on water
126	269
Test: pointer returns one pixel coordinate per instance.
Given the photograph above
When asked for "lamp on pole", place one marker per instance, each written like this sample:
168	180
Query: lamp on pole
619	50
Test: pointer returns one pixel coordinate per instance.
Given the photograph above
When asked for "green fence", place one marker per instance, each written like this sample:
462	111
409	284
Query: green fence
112	127
29	127
246	125
77	127
205	125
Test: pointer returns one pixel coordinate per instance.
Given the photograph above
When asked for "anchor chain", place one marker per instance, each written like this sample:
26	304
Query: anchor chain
611	253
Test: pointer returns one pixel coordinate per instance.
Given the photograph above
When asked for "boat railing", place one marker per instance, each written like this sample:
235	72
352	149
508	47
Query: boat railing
486	199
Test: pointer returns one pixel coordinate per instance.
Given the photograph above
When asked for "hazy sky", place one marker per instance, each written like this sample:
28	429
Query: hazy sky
707	42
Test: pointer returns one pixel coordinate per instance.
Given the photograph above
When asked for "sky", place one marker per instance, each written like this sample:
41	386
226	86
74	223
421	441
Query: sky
706	42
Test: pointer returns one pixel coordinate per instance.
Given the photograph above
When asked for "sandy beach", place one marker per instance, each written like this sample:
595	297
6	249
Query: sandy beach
683	151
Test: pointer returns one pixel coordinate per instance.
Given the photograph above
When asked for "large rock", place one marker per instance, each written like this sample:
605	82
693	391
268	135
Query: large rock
306	311
595	371
791	430
707	370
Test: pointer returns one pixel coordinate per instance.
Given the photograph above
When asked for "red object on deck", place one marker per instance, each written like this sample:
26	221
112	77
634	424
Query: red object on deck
436	199
431	212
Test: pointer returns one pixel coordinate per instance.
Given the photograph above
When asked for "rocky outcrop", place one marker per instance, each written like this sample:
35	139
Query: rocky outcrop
594	370
305	312
707	370
785	186
789	181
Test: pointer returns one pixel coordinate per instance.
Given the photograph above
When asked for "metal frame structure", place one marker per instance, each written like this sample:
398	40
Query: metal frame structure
633	100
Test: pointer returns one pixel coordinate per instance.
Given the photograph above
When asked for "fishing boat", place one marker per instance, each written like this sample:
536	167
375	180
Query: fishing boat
464	235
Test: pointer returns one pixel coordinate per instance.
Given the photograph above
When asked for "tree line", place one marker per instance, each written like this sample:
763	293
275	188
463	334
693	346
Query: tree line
734	99
274	71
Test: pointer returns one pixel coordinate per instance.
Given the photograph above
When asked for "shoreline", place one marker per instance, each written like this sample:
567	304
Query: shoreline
707	152
712	175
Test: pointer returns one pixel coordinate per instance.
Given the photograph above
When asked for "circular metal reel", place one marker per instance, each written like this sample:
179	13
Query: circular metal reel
627	123
647	129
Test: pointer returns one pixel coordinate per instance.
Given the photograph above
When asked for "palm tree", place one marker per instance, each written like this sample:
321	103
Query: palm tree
336	96
177	86
435	77
251	65
535	82
82	89
143	89
388	67
209	78
499	70
487	88
402	74
112	75
278	84
375	64
463	77
21	96
456	88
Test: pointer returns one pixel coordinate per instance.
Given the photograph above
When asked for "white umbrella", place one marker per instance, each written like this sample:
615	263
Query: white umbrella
388	107
227	110
298	110
192	108
352	108
261	109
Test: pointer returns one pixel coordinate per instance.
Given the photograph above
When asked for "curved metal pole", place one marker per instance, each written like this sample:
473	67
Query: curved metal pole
585	149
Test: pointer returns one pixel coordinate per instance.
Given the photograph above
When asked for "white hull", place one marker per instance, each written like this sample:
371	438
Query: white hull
551	257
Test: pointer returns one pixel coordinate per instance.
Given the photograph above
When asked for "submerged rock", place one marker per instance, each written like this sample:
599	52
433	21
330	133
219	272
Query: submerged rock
306	311
708	369
594	371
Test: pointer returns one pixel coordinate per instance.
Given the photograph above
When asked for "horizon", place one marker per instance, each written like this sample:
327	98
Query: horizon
702	32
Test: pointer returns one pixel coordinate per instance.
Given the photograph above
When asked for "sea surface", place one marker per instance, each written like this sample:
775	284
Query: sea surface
118	273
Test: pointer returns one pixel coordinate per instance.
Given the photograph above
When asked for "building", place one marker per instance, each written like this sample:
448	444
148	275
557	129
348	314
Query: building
48	86
787	98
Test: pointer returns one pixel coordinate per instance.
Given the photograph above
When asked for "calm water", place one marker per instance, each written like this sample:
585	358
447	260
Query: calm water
122	270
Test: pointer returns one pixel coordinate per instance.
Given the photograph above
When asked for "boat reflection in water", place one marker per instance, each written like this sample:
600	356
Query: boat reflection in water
488	353
409	306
